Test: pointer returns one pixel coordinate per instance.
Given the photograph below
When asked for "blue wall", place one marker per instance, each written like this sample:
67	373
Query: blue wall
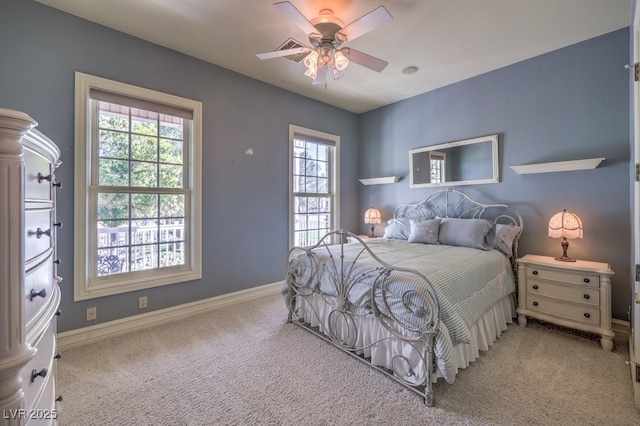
569	104
245	198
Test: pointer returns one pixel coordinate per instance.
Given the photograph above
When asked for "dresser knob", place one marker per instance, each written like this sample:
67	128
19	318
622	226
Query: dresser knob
535	303
58	355
57	185
58	224
586	296
42	293
40	233
48	178
535	272
35	373
587	315
535	287
586	280
57	261
58	312
59	398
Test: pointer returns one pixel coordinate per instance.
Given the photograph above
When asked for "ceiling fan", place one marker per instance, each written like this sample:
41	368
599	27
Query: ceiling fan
327	34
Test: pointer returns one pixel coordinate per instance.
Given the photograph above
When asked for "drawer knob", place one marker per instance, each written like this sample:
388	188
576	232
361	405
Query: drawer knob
58	312
586	296
40	232
56	184
535	303
57	261
535	287
587	315
58	224
42	293
58	355
35	373
48	178
586	280
59	398
535	272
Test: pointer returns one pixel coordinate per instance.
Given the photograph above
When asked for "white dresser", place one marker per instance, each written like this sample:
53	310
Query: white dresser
570	294
29	292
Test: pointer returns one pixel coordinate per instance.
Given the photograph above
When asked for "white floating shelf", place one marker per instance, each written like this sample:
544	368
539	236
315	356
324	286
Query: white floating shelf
559	166
380	180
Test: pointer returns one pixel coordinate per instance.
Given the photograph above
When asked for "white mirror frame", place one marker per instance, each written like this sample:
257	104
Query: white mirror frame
495	178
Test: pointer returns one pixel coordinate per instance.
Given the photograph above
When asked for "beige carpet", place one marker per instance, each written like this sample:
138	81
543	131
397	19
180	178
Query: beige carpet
244	365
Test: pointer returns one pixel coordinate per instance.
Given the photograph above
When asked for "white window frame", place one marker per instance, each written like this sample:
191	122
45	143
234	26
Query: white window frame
334	181
87	286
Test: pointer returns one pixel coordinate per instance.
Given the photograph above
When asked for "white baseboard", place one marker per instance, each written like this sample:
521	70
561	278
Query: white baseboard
94	333
621	328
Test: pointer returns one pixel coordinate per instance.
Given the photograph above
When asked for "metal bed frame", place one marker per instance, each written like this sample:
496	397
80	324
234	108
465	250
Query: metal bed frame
418	322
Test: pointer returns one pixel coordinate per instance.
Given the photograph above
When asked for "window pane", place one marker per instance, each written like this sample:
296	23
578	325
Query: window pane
311	185
144	257
172	206
144	232
170	176
323	151
112	261
113	144
171	127
144	148
113	206
171	151
113	172
144	122
171	230
323	169
144	206
300	221
171	254
323	185
113	233
114	117
144	174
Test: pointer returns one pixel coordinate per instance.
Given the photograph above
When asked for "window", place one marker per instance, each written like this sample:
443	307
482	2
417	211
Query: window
313	177
137	189
437	161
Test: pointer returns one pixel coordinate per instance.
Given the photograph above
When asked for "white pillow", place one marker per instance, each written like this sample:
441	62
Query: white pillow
424	231
505	234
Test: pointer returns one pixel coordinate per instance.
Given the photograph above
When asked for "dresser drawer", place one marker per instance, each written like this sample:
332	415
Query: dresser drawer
568	277
577	294
577	313
42	414
42	364
39	279
37	224
35	164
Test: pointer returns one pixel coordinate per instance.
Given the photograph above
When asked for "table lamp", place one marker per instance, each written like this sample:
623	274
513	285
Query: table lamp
565	225
372	217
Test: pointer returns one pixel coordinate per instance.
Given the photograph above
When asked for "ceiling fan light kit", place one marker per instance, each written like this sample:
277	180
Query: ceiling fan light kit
326	35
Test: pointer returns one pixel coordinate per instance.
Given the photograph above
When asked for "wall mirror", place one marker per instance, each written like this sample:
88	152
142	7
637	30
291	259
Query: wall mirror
467	162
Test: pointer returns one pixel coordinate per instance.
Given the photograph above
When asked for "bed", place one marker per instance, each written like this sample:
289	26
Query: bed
420	303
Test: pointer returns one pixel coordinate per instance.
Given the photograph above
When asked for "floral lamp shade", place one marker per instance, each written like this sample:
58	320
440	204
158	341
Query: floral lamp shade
565	225
372	217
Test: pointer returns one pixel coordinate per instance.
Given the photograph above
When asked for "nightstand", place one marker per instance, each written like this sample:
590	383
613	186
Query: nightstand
364	238
571	294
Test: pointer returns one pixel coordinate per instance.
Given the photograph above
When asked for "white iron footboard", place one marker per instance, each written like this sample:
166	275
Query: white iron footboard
355	289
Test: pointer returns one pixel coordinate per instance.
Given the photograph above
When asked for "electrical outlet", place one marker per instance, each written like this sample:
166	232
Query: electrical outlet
142	302
92	313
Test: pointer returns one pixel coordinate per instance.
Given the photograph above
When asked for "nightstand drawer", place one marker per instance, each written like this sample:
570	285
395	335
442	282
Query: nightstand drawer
578	313
568	277
577	294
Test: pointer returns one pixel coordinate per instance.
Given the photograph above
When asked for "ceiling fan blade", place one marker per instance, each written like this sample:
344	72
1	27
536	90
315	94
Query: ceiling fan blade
364	59
321	76
294	15
366	23
281	53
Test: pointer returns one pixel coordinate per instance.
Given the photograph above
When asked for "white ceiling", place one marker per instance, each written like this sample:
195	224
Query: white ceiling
449	40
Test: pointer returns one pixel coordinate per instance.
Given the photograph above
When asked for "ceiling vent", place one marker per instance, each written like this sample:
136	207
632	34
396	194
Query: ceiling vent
292	44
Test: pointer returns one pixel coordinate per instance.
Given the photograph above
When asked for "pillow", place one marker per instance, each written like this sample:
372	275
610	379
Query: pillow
474	233
424	231
396	229
505	234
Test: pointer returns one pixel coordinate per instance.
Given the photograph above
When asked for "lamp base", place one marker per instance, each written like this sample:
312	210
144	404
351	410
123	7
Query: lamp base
373	236
565	259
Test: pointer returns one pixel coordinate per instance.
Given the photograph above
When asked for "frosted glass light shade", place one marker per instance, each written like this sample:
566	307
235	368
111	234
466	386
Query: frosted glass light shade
372	216
565	224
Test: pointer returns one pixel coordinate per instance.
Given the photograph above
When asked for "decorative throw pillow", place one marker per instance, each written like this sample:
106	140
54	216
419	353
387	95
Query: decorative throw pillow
396	229
505	234
474	233
424	231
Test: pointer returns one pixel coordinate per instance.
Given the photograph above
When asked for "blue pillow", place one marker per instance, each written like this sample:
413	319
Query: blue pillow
505	234
474	233
424	231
